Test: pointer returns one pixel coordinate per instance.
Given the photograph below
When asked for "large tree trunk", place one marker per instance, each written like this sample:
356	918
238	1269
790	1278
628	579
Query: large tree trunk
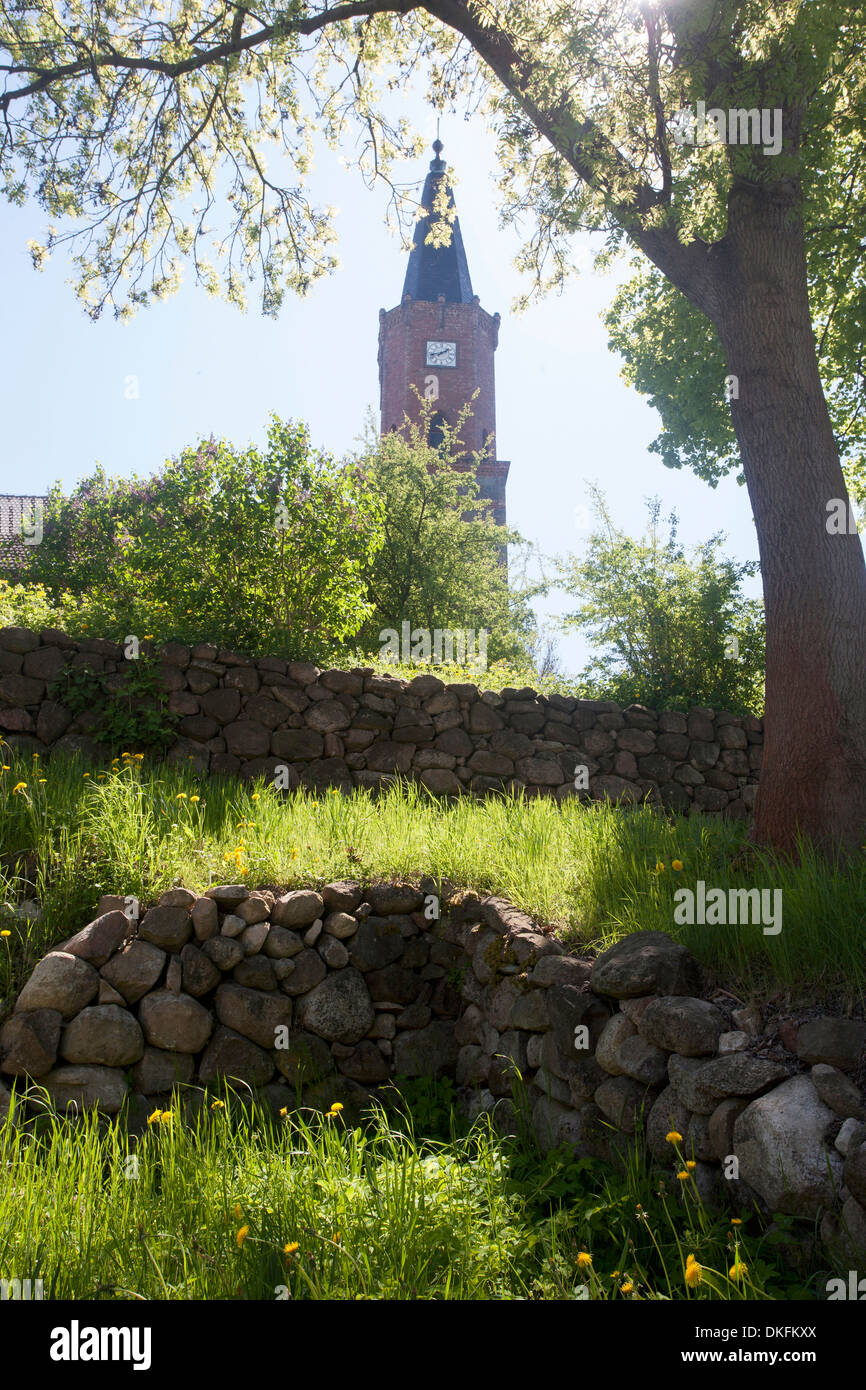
813	778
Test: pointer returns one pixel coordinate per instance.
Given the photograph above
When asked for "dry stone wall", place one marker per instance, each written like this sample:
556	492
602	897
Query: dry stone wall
312	996
357	729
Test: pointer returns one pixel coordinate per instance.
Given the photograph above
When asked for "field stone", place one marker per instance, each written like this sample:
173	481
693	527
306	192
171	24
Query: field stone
426	1051
779	1140
623	1100
668	1115
339	1009
224	951
233	1056
29	1042
645	963
340	925
159	1071
854	1172
204	914
838	1042
333	952
342	897
232	925
555	1124
312	934
199	973
228	895
176	1022
721	1125
684	1074
740	1074
571	1007
134	970
679	1023
388	899
254	938
559	970
642	1061
104	1035
109	995
177	897
838	1091
254	1015
376	943
99	940
297	909
281	944
366	1064
174	975
167	927
309	971
256	972
531	1012
615	1032
59	981
86	1087
735	1041
850	1136
254	909
306	1059
282	968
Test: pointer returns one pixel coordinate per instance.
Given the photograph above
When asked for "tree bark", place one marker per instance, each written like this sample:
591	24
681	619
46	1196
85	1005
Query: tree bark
813	779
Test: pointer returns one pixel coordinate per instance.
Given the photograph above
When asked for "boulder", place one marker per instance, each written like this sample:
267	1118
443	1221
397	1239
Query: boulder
643	1061
29	1042
225	952
309	971
253	1014
204	914
297	909
838	1042
233	1056
679	1023
340	924
176	1022
339	1009
389	899
333	952
555	1124
342	897
170	928
854	1172
839	1092
624	1101
85	1087
779	1141
59	981
739	1074
134	970
426	1051
104	1035
377	943
99	940
199	973
256	972
645	963
281	944
159	1071
307	1058
668	1115
366	1064
615	1032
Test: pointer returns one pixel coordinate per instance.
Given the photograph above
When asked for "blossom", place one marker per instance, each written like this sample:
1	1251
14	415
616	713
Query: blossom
674	1137
218	1105
19	787
690	1164
627	1288
584	1259
676	865
693	1273
291	1247
5	933
155	1117
242	1235
683	1176
738	1270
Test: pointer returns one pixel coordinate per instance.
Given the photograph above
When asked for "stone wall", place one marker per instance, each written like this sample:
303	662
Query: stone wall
313	997
354	728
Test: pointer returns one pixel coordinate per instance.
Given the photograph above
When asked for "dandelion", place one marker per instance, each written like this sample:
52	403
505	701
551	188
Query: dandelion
155	1118
693	1273
242	1235
218	1105
166	1117
5	933
660	868
676	865
255	796
683	1176
735	1221
85	774
6	767
19	787
584	1260
336	1107
627	1288
195	798
674	1137
690	1164
738	1270
181	796
291	1247
284	1112
139	757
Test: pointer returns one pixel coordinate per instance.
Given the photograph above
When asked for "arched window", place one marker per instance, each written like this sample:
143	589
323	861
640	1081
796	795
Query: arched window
436	435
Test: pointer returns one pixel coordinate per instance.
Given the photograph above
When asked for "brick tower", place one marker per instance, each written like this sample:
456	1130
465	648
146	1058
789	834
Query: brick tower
442	342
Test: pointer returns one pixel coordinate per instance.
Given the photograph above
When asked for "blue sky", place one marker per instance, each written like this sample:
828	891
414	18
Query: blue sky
564	416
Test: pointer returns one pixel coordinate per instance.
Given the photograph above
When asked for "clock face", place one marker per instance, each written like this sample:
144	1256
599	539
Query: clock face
441	354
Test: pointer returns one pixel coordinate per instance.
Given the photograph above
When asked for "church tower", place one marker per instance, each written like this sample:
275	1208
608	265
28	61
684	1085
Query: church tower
440	340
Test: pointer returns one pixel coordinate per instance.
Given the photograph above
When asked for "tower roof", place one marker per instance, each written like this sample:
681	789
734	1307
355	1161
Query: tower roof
437	271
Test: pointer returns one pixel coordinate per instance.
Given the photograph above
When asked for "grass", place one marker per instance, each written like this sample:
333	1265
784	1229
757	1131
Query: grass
236	1205
596	873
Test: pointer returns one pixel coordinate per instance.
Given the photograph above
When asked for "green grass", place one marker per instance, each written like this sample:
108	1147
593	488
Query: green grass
591	870
374	1211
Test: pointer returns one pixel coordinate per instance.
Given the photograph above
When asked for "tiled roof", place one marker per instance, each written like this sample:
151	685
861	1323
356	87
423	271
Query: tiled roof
14	509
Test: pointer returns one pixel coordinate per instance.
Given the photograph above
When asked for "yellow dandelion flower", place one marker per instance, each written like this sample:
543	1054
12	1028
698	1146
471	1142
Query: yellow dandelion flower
735	1221
155	1118
139	757
19	787
291	1247
676	865
627	1288
5	933
255	796
674	1137
218	1105
660	868
690	1164
683	1176
584	1259
284	1111
166	1117
42	781
7	767
336	1107
148	637
181	796
195	798
242	1235
693	1273
85	774
738	1271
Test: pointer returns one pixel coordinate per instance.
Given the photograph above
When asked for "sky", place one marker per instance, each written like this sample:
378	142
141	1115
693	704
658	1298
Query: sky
131	395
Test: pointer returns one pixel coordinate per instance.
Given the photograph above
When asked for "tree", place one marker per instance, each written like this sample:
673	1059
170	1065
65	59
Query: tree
440	563
264	551
121	116
674	630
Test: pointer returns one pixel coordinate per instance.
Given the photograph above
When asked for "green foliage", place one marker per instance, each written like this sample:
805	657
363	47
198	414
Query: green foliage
440	563
131	714
667	620
263	551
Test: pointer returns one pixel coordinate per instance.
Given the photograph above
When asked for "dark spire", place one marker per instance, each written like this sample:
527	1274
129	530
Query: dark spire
436	272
